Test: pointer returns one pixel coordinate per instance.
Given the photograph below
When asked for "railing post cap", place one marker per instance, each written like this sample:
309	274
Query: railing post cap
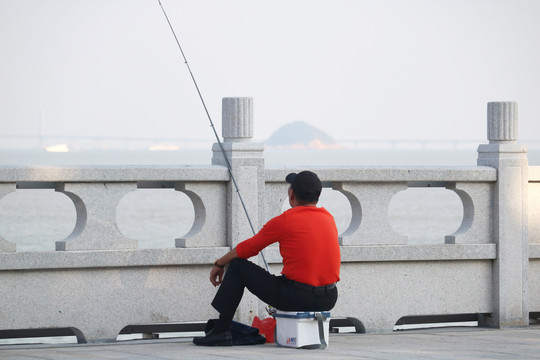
237	118
502	121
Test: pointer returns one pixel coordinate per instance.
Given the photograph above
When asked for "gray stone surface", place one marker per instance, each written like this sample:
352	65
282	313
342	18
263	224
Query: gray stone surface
27	177
534	200
502	121
510	216
476	227
95	206
237	118
443	344
534	280
378	294
5	245
209	200
100	302
416	175
370	203
109	259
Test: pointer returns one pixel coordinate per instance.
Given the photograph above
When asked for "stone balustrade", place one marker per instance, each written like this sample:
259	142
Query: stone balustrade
98	281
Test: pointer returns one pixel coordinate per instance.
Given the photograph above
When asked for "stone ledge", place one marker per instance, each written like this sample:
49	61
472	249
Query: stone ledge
109	258
382	253
113	173
393	174
534	251
206	256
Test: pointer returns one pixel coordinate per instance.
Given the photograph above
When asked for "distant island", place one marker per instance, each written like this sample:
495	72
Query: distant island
300	135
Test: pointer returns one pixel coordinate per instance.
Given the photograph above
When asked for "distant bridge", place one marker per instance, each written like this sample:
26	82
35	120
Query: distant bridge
79	142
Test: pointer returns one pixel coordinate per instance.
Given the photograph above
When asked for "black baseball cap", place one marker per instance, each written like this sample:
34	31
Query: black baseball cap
306	185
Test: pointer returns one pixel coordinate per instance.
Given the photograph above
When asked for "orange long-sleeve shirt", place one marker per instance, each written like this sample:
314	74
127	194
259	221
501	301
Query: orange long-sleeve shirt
308	243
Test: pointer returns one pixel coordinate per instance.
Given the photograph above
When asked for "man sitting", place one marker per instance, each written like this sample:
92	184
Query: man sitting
308	242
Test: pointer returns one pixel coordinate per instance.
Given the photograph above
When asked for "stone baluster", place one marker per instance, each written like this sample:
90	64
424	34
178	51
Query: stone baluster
477	223
208	203
370	223
95	206
510	216
5	245
247	166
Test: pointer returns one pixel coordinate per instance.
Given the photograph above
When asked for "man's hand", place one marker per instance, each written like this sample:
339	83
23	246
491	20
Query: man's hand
216	275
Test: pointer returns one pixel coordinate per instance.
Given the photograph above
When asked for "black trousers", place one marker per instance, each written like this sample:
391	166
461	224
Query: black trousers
277	291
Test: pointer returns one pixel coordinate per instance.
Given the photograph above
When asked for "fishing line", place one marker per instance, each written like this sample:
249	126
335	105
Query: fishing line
229	167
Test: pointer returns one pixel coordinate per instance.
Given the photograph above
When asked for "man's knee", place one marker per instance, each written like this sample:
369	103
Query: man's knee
242	266
237	265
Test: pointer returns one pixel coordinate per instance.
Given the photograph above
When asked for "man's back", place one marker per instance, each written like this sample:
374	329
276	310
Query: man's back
309	246
308	241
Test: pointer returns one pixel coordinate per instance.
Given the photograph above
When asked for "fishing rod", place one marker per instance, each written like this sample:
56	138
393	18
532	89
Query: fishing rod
229	167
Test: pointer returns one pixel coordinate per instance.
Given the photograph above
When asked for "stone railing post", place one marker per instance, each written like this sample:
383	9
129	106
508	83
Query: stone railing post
510	216
247	163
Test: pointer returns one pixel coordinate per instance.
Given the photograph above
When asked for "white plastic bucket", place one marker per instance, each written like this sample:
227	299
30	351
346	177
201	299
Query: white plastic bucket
301	329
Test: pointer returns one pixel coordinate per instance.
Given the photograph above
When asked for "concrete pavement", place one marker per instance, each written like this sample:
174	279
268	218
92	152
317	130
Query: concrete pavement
440	343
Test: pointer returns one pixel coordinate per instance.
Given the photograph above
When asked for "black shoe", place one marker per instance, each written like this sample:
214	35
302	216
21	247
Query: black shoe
211	339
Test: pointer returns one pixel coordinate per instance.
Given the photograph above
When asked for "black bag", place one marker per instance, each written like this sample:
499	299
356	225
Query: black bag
241	334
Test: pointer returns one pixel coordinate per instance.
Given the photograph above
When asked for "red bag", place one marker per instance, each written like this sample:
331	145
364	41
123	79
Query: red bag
266	327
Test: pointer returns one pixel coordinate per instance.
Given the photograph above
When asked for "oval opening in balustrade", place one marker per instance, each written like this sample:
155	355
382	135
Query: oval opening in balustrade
426	215
155	217
337	204
35	219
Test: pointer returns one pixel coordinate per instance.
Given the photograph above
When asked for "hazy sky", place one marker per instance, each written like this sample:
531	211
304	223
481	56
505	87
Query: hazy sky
407	69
